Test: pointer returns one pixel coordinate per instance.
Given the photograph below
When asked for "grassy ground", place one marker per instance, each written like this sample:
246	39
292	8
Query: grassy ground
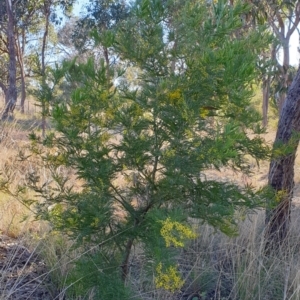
213	266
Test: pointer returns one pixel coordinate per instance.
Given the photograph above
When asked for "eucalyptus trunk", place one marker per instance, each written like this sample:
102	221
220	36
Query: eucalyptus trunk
11	94
281	172
20	55
43	66
265	103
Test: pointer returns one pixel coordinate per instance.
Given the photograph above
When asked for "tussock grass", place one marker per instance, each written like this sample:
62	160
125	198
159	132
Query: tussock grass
213	266
12	140
219	267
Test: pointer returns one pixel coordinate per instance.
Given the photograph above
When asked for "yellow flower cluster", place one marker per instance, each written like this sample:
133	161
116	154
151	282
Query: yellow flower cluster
175	233
175	97
175	94
204	112
169	280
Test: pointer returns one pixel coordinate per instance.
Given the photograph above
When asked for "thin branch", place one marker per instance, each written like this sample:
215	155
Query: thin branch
280	22
296	22
3	87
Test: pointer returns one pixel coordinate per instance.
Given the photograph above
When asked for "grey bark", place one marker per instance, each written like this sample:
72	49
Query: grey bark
281	172
20	55
283	32
11	95
43	64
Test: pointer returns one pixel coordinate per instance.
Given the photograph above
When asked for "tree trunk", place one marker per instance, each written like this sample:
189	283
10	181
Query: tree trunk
23	90
11	95
281	100
281	172
23	83
265	104
20	54
125	264
44	103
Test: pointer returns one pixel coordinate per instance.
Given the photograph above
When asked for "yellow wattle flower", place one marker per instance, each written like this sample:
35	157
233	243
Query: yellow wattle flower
169	280
175	233
175	97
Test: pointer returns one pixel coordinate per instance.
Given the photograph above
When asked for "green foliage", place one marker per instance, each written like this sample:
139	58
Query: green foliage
101	282
101	19
139	156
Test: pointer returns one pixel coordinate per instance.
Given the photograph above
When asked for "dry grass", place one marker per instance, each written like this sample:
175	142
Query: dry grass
219	267
18	225
20	272
214	266
12	212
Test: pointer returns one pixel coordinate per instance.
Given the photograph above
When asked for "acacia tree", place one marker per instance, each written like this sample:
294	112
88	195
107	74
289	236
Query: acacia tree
141	153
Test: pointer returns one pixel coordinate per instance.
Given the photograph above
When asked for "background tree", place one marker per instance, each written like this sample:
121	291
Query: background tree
11	88
47	12
102	19
281	172
25	16
283	19
24	19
